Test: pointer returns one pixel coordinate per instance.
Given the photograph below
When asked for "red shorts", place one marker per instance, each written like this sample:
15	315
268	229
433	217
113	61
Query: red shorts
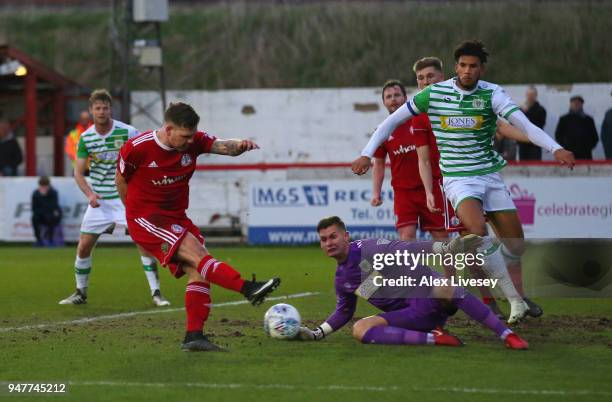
410	207
162	236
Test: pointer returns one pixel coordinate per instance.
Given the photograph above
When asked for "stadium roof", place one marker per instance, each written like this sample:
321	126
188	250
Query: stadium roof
43	92
10	56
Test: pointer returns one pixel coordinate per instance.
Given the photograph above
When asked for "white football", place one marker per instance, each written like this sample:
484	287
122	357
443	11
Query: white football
282	321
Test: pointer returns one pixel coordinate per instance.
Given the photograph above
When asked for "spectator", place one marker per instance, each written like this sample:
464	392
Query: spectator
504	146
10	152
46	214
606	134
537	115
72	140
576	130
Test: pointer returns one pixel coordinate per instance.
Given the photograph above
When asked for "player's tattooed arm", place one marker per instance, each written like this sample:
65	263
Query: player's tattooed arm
232	147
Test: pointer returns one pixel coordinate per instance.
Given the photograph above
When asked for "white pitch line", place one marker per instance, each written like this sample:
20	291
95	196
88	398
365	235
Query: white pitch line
143	312
558	392
339	387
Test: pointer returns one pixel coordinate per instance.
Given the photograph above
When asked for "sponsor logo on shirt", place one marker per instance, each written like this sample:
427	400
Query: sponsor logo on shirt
168	180
176	228
367	288
404	149
461	122
186	160
105	156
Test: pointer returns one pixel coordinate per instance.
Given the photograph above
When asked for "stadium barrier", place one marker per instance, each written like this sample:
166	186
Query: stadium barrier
277	206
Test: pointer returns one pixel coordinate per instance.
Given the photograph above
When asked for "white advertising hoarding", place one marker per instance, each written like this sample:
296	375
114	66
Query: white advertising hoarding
17	209
287	212
568	207
207	200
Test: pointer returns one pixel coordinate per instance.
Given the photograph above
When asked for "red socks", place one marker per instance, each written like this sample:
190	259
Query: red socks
197	295
197	305
220	273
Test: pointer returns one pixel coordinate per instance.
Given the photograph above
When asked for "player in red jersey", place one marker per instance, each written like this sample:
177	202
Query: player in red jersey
152	178
409	195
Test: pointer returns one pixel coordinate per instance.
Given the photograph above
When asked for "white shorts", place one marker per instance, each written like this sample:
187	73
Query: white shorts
104	218
489	189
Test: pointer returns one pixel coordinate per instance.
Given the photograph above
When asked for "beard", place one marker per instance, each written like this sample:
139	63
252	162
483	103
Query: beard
468	86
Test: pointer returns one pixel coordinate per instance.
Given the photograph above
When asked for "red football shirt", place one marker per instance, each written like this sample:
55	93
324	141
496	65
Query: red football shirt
157	175
401	148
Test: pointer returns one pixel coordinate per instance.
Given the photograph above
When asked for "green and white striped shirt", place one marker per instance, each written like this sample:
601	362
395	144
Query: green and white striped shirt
104	152
464	124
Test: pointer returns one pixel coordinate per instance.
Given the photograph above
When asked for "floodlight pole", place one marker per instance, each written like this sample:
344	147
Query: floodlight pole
119	83
125	63
131	18
162	77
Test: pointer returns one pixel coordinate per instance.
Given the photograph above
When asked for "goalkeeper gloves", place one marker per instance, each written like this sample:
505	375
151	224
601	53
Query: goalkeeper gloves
307	334
468	243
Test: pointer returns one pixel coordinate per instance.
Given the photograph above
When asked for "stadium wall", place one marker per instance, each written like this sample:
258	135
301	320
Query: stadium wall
326	125
320	126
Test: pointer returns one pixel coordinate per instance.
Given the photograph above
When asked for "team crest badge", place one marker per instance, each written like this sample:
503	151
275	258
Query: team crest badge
118	143
478	103
164	247
186	160
176	228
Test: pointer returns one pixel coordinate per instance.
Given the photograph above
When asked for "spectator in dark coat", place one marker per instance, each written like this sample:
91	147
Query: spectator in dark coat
606	134
10	152
46	212
537	115
576	130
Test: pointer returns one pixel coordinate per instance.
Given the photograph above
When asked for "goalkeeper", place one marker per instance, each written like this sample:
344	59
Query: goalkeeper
412	315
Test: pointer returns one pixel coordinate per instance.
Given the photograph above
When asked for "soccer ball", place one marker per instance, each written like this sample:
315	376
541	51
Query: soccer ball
282	321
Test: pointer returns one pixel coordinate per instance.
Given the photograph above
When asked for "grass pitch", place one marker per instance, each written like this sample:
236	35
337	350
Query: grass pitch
137	357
